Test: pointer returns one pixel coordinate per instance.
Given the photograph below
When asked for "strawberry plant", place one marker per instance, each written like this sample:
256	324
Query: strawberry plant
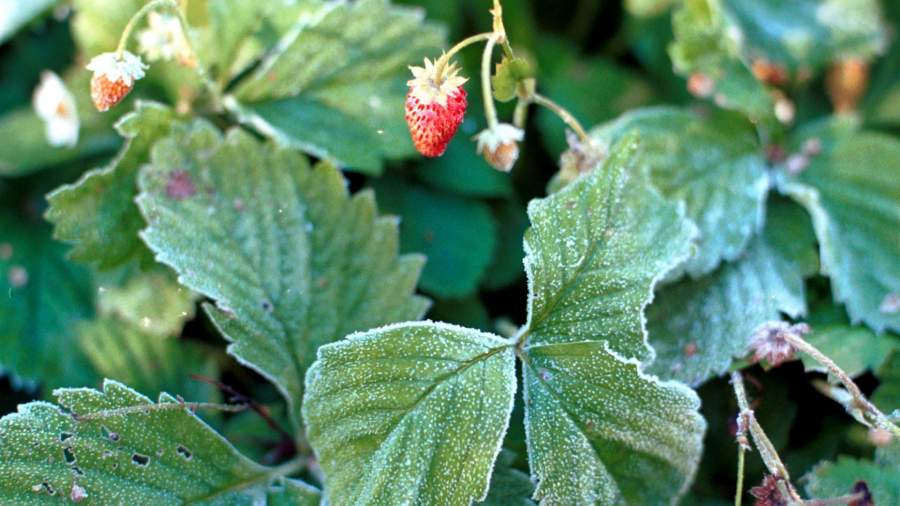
650	252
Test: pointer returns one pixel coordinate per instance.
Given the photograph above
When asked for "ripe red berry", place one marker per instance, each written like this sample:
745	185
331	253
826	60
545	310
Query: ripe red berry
434	108
114	77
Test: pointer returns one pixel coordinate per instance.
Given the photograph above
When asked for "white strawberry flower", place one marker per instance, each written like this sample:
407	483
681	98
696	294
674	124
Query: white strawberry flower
55	105
500	145
114	77
163	39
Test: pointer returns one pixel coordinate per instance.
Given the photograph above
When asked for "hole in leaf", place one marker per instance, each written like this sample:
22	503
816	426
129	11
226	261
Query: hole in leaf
184	452
48	488
64	435
68	455
266	305
77	471
140	460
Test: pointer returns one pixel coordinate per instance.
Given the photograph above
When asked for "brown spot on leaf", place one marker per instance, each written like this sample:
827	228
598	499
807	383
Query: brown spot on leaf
180	185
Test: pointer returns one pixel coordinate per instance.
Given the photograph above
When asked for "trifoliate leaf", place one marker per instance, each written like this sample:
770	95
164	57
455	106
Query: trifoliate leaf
595	251
698	326
602	432
42	296
853	195
881	475
31	151
148	363
291	261
509	486
117	446
509	73
713	164
854	348
334	86
97	213
456	234
412	413
153	302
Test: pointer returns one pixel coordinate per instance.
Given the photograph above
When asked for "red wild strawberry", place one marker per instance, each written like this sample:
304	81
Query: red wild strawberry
434	107
113	78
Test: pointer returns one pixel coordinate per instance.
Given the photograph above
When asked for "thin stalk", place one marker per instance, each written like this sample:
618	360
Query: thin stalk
139	15
490	111
520	114
763	445
445	58
739	493
563	115
859	400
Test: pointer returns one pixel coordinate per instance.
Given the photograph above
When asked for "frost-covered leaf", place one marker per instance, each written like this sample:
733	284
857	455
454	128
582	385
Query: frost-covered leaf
291	261
15	13
146	362
153	302
852	192
594	252
457	235
42	296
31	152
509	486
97	213
335	85
882	476
412	413
698	326
713	164
119	447
854	348
602	432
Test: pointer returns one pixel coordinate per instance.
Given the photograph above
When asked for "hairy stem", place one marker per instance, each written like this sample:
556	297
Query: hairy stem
763	445
859	401
138	16
490	111
445	58
563	115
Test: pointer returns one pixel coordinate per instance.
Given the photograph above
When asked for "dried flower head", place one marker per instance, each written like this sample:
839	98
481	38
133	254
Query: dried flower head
54	104
500	145
113	77
163	39
768	494
769	341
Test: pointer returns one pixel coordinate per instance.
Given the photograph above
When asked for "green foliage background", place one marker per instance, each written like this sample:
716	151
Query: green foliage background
314	220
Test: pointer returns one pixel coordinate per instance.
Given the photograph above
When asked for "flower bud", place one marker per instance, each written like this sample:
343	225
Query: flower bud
500	145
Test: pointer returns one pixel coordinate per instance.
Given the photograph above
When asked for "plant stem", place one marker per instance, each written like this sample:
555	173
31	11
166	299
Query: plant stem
489	110
563	115
763	445
739	493
859	400
445	58
520	114
139	15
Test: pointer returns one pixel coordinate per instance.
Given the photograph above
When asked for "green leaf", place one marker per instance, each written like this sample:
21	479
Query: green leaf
600	431
855	349
509	486
804	34
154	302
335	85
463	171
456	234
291	261
595	251
116	444
16	14
146	362
853	195
97	213
410	413
647	7
887	395
882	476
510	72
705	44
698	326
43	296
713	164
